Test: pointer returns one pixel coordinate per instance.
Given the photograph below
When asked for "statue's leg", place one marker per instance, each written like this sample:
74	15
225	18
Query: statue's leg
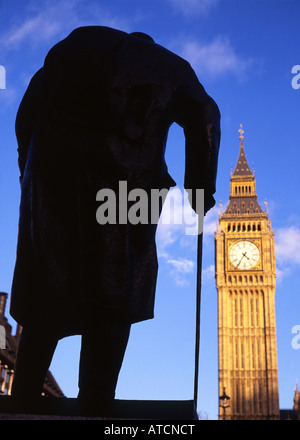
35	352
102	352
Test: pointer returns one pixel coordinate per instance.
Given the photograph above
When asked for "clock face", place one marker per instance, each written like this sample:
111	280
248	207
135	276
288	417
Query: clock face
244	255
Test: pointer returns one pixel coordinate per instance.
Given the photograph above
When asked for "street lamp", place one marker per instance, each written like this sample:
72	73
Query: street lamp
224	403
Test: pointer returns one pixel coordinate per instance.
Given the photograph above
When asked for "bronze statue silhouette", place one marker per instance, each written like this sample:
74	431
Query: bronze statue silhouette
97	113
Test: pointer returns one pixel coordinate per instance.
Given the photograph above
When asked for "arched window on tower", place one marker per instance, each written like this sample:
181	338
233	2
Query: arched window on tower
235	312
251	310
241	309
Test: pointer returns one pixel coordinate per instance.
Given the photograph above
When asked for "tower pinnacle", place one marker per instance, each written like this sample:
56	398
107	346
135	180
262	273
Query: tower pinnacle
242	168
241	131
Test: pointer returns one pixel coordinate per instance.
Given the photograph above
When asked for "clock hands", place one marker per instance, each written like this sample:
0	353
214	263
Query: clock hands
244	254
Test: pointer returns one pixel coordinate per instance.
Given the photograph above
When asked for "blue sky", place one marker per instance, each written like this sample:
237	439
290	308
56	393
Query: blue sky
243	53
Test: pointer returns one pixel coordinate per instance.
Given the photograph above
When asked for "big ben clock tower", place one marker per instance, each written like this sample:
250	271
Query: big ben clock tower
245	278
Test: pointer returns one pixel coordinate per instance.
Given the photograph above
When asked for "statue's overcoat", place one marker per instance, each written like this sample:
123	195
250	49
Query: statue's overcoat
97	113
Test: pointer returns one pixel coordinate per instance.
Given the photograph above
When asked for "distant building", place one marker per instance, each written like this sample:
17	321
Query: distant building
292	414
296	406
245	279
8	357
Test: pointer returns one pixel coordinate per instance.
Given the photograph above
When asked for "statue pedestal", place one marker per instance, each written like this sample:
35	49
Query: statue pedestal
61	408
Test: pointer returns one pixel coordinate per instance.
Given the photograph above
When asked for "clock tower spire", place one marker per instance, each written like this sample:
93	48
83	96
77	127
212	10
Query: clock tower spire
243	197
245	279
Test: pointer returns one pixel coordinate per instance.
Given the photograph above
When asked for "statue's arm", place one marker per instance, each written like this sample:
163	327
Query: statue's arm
199	116
27	116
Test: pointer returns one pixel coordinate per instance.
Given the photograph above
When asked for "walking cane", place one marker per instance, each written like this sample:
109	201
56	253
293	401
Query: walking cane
198	307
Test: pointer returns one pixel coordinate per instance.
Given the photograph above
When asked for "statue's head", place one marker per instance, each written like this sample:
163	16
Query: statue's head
142	35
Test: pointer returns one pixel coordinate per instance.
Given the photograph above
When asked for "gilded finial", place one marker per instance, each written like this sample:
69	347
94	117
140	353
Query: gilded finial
241	131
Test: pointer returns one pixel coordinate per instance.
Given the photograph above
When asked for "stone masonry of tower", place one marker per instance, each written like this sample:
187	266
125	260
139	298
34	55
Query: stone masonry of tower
245	279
